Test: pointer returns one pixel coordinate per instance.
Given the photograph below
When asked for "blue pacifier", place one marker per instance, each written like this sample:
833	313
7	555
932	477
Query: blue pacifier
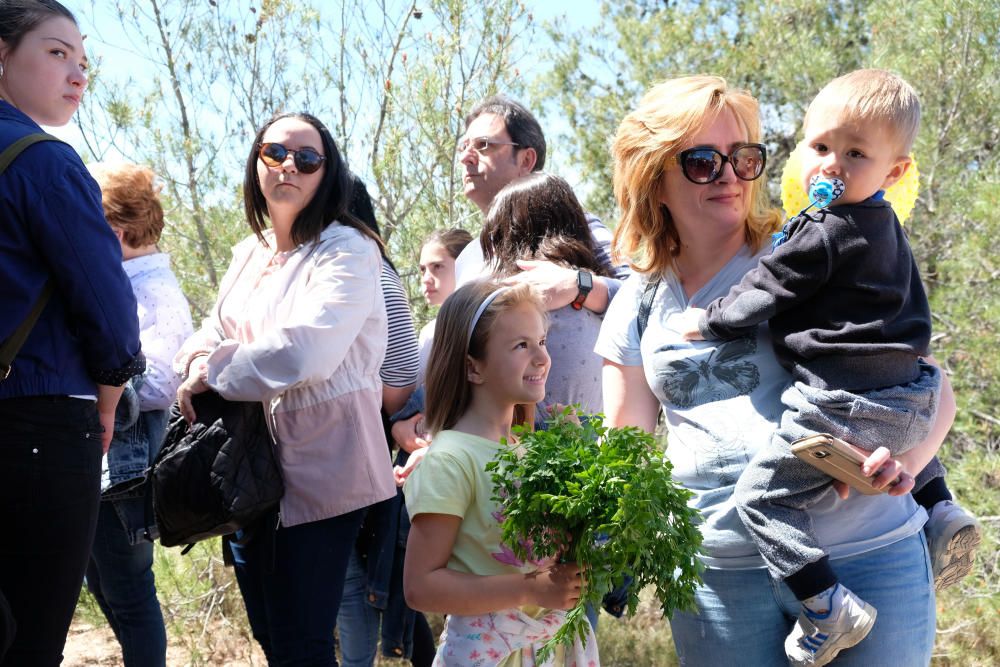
823	191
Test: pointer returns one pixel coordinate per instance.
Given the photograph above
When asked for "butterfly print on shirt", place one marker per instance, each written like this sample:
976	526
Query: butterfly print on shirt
714	374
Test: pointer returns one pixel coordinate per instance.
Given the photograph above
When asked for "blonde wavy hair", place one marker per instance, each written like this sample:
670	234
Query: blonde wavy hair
645	145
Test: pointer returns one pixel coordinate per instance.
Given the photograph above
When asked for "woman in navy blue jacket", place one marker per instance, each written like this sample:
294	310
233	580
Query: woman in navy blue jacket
57	405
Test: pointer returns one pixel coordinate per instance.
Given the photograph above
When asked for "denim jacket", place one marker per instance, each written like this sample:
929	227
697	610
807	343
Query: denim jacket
382	548
135	444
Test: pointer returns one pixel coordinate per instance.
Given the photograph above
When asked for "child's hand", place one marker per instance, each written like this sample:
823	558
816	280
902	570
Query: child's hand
400	473
409	434
556	586
571	416
686	323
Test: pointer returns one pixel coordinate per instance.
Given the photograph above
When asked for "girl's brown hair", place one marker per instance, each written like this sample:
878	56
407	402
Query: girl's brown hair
538	217
646	145
452	240
130	195
448	390
19	17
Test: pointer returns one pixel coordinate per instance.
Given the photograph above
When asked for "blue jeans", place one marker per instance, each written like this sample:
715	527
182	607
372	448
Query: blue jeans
292	581
776	488
745	615
359	621
120	577
373	608
50	476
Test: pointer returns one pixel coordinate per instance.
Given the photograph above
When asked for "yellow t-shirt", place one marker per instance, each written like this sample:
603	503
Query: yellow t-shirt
452	479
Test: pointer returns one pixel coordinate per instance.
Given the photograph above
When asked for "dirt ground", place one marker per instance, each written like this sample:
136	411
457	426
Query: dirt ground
95	646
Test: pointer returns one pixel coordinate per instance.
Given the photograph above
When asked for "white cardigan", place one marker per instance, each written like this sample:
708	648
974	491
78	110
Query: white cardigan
309	346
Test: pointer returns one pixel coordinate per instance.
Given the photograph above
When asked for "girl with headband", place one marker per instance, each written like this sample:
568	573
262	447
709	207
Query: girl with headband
488	360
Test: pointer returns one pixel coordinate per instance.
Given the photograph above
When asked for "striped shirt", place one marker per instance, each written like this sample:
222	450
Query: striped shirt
402	357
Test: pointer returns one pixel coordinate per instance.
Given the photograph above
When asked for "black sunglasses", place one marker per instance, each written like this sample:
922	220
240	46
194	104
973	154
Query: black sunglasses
704	165
306	160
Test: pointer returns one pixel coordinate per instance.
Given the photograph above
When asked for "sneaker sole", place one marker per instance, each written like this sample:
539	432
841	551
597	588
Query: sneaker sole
955	563
844	643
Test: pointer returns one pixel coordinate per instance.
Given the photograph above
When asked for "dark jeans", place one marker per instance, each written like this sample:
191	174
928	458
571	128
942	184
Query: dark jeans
292	581
120	576
50	474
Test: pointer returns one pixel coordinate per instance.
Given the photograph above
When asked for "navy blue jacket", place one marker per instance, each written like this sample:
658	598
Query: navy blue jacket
52	226
842	296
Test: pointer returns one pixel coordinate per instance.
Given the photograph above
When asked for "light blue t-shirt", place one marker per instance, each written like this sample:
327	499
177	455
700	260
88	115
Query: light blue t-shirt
722	400
575	373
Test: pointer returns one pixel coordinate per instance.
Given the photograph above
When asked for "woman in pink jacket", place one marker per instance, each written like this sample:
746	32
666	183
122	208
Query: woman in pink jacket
300	325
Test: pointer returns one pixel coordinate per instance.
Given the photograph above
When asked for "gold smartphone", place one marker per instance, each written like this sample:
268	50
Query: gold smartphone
837	459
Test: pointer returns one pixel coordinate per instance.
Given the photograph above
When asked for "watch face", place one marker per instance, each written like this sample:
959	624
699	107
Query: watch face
584	281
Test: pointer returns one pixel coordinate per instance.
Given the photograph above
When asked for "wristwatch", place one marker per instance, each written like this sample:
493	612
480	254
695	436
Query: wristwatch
584	283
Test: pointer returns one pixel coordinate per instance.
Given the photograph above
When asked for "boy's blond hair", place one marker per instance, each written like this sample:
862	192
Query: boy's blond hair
874	96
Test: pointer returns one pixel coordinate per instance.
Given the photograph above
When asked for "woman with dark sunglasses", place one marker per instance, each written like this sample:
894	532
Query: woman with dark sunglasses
58	397
695	219
300	325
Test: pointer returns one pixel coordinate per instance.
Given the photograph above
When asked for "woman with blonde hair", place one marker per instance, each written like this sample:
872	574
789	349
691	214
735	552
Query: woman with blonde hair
688	175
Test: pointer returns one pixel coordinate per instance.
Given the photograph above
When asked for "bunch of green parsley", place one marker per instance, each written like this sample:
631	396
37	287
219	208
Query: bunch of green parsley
603	498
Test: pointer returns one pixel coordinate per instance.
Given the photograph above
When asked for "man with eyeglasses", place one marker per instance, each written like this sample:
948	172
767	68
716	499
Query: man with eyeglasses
503	141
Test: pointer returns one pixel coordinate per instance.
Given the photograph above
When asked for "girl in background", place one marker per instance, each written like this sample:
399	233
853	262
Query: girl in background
437	279
488	358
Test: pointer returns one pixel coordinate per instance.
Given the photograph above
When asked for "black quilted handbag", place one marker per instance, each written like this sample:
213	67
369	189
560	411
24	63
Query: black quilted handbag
216	475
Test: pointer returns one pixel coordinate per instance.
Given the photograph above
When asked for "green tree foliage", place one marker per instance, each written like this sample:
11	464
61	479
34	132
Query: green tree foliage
390	79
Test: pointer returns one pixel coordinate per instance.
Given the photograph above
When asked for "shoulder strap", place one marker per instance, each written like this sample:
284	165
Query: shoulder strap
646	305
11	346
15	149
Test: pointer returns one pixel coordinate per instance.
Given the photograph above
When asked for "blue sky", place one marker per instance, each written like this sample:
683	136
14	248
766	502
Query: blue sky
117	53
106	41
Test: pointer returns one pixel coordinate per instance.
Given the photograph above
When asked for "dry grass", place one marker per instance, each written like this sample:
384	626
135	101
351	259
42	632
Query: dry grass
207	624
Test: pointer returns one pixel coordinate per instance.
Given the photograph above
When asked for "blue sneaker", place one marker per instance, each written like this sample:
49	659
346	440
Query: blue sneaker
816	639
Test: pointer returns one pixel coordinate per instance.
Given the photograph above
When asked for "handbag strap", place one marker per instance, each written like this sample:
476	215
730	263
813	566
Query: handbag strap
11	346
646	306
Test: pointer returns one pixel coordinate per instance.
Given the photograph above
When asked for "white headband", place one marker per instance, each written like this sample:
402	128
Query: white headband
482	309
